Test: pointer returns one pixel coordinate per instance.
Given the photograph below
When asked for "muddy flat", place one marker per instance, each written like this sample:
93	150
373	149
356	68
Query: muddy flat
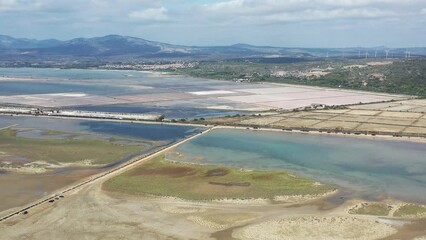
91	213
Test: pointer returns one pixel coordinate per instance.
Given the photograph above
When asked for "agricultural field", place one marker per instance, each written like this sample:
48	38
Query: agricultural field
364	118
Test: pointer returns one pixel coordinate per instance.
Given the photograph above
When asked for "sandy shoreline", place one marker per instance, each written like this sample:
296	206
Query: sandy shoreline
114	213
376	137
361	136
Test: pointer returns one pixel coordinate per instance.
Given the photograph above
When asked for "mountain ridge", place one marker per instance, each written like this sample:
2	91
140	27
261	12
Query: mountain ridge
115	46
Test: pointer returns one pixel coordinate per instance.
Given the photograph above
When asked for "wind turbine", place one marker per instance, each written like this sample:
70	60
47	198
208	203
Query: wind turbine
387	53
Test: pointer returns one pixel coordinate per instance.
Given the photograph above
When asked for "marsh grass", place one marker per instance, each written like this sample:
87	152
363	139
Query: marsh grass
411	210
63	150
376	209
161	177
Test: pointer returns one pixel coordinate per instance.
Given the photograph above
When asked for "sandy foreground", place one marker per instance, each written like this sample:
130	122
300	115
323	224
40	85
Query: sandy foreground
314	228
91	213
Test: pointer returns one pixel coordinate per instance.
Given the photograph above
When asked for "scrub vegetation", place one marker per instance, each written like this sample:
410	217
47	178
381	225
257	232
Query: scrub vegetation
391	76
377	209
411	210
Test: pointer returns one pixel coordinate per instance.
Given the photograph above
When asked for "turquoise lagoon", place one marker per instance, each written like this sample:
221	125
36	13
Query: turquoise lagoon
359	167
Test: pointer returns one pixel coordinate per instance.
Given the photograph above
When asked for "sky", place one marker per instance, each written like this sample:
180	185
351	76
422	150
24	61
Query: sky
285	23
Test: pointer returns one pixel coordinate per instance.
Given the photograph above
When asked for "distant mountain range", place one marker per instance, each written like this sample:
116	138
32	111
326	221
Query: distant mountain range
121	48
7	42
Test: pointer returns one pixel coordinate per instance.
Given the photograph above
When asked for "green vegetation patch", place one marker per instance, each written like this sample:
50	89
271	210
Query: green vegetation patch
411	210
63	150
377	209
161	177
407	76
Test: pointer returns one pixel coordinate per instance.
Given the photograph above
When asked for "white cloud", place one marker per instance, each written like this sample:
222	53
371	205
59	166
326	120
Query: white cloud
270	11
150	14
6	5
317	15
219	21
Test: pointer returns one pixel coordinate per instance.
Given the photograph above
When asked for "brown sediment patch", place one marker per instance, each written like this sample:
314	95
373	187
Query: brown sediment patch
165	171
232	184
19	188
218	190
217	172
227	233
409	231
266	177
322	205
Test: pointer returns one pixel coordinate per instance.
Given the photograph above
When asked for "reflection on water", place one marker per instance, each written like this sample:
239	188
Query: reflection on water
151	132
364	168
155	132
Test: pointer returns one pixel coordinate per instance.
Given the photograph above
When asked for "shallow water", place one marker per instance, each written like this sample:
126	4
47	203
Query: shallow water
70	73
173	112
152	132
23	88
18	188
40	134
360	167
118	83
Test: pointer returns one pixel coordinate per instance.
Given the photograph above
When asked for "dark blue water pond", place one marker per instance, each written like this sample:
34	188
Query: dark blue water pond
168	112
156	132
